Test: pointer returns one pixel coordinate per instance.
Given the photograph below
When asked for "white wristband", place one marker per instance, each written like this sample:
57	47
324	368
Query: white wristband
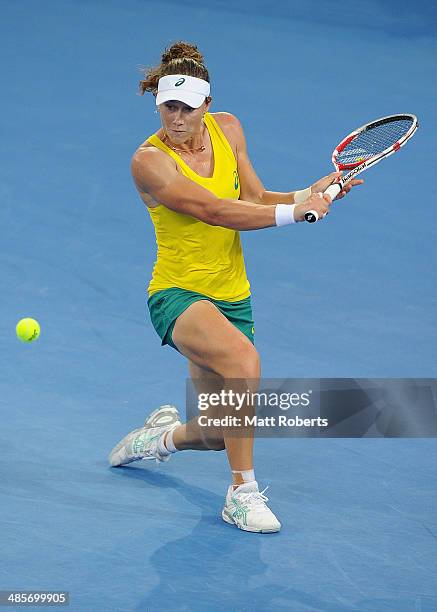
284	214
302	195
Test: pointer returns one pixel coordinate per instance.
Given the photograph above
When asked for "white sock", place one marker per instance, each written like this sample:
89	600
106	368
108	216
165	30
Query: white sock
246	475
168	447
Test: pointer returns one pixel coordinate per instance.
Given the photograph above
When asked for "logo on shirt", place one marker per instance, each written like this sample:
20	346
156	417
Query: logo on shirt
180	82
236	180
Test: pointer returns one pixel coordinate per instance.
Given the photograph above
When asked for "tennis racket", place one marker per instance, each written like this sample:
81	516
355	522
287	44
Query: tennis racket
367	146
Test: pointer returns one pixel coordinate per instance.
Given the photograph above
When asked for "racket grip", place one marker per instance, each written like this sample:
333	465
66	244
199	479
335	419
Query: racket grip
334	190
311	216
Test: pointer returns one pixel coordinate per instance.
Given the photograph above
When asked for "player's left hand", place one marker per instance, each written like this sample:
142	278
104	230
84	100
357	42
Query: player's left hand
322	184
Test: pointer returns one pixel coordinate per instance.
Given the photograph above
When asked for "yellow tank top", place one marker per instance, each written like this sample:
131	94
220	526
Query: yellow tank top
192	254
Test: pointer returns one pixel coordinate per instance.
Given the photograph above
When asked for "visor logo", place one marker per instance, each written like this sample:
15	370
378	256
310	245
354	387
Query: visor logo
179	83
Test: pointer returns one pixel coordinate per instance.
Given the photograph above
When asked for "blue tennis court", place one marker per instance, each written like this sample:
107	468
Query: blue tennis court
354	296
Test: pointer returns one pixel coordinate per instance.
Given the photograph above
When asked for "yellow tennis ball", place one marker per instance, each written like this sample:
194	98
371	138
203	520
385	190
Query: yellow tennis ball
28	330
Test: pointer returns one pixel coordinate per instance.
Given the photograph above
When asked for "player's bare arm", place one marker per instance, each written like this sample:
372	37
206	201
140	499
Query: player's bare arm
155	174
252	188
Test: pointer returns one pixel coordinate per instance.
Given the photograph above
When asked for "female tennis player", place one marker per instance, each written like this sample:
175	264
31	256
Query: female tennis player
200	188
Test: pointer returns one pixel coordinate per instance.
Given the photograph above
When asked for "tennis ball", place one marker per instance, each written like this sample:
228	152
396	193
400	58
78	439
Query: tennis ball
28	330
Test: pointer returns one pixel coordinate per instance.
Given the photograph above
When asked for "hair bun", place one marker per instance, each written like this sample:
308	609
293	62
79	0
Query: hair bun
182	49
181	58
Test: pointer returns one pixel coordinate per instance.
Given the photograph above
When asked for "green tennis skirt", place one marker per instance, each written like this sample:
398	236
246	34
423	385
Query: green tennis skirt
165	307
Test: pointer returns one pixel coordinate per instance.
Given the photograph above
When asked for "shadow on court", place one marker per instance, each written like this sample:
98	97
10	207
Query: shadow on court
216	563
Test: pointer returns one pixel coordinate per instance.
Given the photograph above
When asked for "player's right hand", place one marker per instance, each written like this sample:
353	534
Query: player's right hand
318	202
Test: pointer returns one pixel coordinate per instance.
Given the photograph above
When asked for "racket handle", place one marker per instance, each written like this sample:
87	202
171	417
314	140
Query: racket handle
311	216
334	190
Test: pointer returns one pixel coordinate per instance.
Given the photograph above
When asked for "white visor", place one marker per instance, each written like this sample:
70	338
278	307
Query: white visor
187	89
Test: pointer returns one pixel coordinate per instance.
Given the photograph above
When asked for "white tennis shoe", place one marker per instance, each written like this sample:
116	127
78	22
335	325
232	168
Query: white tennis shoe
246	508
142	443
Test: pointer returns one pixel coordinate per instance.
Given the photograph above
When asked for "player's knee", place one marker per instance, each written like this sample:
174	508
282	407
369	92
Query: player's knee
241	362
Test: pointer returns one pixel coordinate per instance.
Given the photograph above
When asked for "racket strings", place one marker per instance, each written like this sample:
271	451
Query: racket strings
373	141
